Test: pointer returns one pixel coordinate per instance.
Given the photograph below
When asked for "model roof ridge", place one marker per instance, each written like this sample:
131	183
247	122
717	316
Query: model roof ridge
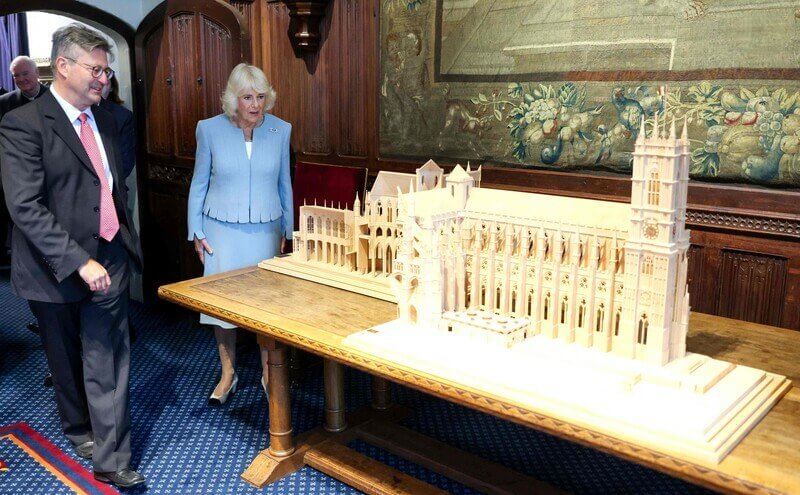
559	209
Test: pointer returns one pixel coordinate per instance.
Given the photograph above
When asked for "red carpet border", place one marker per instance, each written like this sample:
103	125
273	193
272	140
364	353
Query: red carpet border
64	468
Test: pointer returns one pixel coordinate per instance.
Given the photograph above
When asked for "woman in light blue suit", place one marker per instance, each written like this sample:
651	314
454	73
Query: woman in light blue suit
240	201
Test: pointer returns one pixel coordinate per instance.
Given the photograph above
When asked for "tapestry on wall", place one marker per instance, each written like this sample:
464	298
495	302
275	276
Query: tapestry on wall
564	84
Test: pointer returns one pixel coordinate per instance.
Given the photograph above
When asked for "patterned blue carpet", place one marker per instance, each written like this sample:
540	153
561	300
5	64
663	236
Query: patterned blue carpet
183	446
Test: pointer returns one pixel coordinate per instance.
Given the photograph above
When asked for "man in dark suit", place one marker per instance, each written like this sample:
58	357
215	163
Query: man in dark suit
125	125
26	77
72	245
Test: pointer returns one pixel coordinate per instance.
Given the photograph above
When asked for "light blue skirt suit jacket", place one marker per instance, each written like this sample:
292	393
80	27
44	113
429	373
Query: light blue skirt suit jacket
241	206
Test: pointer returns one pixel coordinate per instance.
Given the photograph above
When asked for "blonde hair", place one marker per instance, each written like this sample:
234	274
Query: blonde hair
246	77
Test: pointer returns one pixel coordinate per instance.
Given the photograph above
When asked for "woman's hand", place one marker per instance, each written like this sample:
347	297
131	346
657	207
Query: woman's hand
201	247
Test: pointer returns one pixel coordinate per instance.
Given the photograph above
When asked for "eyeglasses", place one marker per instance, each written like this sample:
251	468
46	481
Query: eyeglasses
96	70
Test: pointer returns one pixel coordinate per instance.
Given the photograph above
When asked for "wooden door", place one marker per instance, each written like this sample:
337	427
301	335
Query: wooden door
185	50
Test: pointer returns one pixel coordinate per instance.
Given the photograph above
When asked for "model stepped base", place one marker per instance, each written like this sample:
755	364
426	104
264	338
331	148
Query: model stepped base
376	286
695	407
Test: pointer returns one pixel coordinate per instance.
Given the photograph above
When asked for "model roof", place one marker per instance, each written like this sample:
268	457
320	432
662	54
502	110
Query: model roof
590	213
386	184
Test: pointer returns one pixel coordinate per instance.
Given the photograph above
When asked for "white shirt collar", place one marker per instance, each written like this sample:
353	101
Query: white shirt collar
72	112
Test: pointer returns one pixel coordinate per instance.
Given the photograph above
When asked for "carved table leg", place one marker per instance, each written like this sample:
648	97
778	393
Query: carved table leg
279	459
381	393
280	407
334	397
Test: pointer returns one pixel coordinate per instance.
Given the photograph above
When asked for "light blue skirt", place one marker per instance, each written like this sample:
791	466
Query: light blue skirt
237	245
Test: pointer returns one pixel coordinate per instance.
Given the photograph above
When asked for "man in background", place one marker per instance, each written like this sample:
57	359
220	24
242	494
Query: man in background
112	103
26	77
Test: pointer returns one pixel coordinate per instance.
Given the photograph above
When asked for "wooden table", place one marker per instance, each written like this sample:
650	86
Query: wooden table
283	310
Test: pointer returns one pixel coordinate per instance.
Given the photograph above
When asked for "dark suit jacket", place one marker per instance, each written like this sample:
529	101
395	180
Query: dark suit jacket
127	134
53	195
14	99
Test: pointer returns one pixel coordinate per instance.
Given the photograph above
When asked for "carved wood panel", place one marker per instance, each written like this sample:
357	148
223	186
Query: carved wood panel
697	280
353	44
752	286
159	108
217	61
182	29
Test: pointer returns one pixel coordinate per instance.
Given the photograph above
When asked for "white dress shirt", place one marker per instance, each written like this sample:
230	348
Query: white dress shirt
73	115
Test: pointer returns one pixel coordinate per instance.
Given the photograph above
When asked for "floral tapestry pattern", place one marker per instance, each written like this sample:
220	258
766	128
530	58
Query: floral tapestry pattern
742	129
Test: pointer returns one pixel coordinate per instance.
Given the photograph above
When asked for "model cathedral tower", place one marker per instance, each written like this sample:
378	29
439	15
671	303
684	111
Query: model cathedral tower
656	304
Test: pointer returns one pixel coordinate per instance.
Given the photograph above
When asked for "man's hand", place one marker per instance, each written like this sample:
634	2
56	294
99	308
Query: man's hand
95	276
201	247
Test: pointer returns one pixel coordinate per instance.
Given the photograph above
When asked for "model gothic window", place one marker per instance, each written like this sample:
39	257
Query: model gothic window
581	313
514	301
653	188
647	266
601	314
641	336
564	304
310	225
617	318
530	302
546	307
497	299
483	296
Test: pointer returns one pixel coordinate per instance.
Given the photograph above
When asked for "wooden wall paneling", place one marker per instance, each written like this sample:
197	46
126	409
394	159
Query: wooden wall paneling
317	86
183	35
746	277
251	12
284	70
158	121
216	62
353	44
751	286
697	280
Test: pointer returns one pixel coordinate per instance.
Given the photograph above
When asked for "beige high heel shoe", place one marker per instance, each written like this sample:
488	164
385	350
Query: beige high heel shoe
218	400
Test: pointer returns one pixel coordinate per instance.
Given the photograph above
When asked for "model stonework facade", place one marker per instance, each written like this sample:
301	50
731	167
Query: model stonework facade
363	243
604	275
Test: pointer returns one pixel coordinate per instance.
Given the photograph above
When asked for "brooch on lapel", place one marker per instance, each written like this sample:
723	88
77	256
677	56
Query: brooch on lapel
272	129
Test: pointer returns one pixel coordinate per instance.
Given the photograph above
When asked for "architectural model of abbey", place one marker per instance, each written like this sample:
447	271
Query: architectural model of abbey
575	308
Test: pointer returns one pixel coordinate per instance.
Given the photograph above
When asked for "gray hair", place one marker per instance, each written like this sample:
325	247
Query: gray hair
23	59
245	77
66	39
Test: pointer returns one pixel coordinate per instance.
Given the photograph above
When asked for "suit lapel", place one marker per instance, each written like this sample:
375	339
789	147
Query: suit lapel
63	128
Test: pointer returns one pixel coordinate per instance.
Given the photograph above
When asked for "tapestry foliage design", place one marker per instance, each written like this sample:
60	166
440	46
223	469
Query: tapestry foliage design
564	84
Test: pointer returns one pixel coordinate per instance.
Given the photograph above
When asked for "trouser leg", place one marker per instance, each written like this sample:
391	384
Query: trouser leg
60	333
106	363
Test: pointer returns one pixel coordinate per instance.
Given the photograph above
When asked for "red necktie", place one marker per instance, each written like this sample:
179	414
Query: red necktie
109	224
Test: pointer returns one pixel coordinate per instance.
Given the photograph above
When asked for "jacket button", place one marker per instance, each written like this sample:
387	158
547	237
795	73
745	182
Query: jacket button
95	236
96	209
96	182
